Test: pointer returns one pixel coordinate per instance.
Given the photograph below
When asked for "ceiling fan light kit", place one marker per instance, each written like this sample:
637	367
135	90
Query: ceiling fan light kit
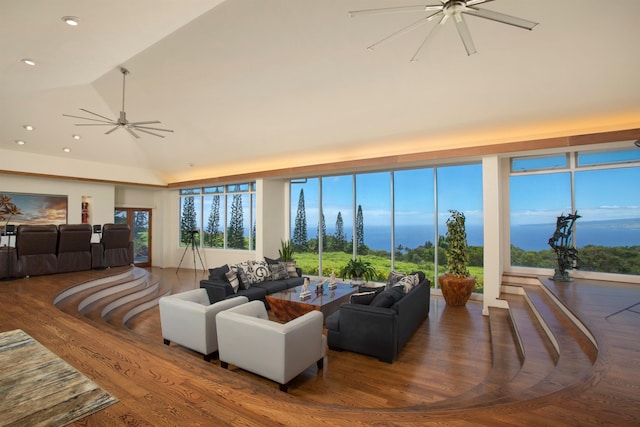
456	9
121	122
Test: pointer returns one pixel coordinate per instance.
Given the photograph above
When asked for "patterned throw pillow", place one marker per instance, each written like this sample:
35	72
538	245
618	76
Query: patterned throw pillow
278	271
408	283
244	276
232	277
260	272
394	278
291	269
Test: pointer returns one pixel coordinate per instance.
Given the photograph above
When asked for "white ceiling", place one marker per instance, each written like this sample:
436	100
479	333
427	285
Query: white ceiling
252	85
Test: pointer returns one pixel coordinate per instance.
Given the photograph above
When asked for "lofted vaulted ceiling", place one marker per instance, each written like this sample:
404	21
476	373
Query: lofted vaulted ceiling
253	85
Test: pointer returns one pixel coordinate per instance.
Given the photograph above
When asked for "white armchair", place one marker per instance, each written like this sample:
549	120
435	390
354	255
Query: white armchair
279	352
188	319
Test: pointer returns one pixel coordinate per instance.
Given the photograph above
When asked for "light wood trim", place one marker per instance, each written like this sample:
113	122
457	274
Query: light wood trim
404	160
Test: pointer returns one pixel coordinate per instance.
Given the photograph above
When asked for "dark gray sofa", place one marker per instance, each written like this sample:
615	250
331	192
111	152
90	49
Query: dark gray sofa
379	331
219	288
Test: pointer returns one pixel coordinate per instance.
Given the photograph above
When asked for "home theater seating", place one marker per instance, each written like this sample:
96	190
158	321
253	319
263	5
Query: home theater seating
49	249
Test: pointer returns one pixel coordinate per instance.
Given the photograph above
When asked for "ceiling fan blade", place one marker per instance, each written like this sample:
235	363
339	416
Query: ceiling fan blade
151	133
136	127
111	130
465	35
501	17
87	118
95	114
131	132
145	123
414	58
387	10
96	124
477	2
404	30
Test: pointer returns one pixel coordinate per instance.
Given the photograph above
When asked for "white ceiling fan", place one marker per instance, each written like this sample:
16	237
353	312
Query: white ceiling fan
121	122
455	9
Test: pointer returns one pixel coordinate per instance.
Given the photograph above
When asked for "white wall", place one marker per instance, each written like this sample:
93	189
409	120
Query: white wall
492	195
101	196
272	212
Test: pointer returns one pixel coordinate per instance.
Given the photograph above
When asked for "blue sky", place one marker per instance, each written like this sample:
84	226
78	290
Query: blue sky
608	194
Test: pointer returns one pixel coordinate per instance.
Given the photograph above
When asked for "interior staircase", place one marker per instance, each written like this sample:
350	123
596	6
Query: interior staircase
114	299
538	348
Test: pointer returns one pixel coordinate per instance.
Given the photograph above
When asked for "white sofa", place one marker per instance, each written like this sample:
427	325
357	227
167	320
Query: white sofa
188	319
249	340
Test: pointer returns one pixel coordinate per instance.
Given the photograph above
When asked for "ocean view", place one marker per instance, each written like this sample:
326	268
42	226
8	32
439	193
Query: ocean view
531	237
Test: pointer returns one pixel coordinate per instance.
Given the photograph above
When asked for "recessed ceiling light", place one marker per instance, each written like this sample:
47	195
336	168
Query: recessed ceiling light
20	142
28	127
29	61
76	136
71	20
66	149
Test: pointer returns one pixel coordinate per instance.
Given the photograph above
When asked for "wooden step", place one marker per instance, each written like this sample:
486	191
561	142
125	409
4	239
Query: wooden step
119	312
113	298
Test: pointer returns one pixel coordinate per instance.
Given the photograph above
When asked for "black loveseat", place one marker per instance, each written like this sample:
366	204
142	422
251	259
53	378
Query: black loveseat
218	286
379	331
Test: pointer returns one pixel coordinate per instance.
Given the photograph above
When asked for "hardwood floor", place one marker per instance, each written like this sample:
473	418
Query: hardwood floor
460	368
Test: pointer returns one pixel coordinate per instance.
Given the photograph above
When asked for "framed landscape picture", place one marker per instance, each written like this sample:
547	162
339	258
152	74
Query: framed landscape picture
25	208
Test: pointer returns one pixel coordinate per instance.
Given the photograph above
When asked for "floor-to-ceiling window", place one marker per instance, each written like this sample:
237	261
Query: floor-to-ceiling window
601	186
388	218
337	207
459	188
372	238
309	228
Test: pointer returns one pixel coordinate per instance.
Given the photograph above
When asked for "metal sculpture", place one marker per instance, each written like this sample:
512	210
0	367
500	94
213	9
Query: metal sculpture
562	244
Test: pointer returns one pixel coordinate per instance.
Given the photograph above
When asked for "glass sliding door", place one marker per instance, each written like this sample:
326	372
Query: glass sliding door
139	221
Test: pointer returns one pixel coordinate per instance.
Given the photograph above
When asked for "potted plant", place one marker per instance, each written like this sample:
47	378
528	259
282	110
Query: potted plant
358	270
456	284
285	251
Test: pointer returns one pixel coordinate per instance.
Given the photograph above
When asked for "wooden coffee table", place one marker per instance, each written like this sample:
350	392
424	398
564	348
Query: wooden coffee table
287	305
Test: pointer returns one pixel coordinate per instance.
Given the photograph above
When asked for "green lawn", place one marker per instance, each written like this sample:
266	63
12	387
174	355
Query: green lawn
334	261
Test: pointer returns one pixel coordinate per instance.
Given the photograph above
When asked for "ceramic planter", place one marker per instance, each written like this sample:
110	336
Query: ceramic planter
456	290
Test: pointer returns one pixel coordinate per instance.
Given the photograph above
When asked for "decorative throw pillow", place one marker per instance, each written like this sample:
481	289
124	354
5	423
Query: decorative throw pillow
278	271
384	299
245	278
260	272
407	283
271	261
218	272
363	298
394	277
291	269
421	275
232	278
